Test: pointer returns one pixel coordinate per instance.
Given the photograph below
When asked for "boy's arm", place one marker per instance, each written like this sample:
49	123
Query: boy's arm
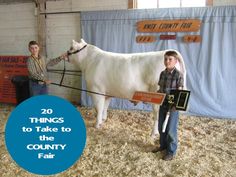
55	61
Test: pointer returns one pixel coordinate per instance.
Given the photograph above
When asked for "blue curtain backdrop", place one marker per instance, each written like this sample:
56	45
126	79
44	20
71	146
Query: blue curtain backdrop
211	64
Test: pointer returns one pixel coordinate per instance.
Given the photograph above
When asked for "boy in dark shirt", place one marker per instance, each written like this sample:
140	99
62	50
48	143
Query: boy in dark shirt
170	79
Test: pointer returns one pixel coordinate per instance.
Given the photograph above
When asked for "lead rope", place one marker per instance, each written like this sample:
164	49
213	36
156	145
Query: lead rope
84	90
62	78
63	73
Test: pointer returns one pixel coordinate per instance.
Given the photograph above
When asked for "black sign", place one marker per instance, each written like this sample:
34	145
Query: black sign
180	98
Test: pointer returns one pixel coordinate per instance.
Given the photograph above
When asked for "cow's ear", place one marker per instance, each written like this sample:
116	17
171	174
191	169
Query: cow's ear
82	40
73	43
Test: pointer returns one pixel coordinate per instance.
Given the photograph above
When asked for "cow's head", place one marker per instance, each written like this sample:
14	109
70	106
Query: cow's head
76	49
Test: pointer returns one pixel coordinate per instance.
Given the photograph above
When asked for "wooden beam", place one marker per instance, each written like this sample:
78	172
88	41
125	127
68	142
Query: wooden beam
41	8
132	4
209	2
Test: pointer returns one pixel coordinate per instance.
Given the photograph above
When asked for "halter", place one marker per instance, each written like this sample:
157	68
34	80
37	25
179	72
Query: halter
76	51
64	69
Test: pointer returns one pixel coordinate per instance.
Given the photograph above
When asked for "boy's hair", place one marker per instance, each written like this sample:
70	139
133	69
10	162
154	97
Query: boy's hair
172	53
33	43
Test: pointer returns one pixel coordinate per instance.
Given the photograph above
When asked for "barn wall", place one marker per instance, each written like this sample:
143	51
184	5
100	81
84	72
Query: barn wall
18	25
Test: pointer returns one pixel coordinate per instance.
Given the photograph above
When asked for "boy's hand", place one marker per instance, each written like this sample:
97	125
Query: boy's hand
47	82
173	108
64	56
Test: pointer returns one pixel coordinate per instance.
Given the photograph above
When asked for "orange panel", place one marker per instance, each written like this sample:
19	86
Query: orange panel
9	67
167	37
192	38
145	39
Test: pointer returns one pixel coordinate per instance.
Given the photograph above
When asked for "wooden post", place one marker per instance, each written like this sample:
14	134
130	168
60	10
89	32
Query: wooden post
132	4
41	19
209	2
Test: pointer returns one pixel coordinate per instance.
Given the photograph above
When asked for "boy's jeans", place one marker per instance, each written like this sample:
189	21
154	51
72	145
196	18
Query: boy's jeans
37	89
169	139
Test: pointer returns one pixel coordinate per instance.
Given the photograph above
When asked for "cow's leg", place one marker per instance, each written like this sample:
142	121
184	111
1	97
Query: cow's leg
99	102
106	105
154	88
155	114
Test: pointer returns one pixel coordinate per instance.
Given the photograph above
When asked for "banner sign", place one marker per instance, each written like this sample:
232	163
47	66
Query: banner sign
192	38
149	26
150	97
145	39
10	66
167	37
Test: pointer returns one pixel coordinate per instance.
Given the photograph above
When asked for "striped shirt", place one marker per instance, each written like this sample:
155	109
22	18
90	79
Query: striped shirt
38	69
170	80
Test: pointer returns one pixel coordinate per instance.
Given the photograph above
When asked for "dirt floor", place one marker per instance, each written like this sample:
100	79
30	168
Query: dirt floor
207	148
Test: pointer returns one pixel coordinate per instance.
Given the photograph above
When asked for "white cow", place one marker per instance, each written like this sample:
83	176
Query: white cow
119	75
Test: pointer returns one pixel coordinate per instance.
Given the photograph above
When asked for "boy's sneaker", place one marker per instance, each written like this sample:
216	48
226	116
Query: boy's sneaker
168	157
158	149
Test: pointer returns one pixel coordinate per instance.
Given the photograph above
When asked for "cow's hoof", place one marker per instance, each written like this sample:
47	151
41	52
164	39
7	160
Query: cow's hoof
153	136
98	126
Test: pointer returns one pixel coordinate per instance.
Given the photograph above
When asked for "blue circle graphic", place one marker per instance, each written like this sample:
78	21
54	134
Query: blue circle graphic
45	135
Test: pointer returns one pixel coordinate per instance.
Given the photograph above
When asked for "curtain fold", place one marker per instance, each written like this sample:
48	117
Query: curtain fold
211	64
